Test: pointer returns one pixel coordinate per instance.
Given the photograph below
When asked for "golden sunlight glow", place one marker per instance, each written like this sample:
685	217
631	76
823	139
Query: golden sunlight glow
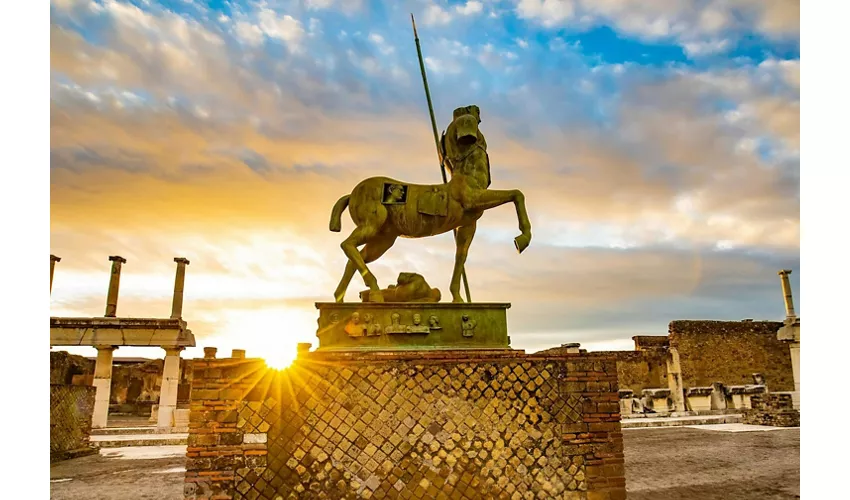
269	333
280	357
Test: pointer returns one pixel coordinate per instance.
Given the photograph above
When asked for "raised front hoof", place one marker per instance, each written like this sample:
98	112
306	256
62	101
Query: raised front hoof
521	242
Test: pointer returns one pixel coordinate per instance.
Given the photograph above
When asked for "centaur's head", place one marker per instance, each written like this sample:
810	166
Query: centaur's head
464	147
465	121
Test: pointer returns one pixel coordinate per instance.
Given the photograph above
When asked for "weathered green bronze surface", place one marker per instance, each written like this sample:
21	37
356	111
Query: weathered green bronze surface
410	287
384	209
393	326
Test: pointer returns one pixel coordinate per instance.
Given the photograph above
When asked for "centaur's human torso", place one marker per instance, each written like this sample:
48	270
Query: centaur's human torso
427	210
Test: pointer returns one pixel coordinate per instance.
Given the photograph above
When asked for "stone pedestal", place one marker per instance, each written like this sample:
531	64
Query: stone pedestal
658	400
740	395
699	398
718	396
395	326
626	402
168	390
102	383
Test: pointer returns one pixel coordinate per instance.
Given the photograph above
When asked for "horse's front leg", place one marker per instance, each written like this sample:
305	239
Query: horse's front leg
487	199
463	241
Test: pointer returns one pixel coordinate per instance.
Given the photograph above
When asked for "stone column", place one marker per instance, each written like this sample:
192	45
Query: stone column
102	383
674	379
168	389
790	332
53	260
177	301
786	290
114	280
795	369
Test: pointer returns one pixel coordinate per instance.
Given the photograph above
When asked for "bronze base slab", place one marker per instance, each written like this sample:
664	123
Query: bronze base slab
401	326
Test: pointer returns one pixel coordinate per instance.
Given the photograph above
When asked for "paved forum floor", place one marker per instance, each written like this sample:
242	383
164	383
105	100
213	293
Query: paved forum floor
705	463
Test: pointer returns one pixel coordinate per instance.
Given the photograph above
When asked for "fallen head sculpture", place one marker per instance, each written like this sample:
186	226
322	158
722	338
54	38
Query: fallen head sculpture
410	287
384	209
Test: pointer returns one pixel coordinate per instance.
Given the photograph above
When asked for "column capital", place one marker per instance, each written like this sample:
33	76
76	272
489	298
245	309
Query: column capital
173	351
784	272
117	258
181	260
106	347
54	258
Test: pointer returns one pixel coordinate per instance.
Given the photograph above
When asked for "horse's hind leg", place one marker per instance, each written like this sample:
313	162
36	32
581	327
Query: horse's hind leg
464	240
370	252
360	236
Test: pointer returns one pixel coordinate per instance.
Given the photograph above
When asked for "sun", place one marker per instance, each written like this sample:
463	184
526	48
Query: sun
280	357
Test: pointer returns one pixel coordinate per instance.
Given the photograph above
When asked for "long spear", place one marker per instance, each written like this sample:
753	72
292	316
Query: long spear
436	139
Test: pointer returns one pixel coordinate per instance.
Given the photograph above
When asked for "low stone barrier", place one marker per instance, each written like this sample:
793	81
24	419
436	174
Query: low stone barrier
775	409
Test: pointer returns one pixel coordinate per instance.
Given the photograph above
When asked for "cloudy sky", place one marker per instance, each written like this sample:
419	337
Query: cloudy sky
656	141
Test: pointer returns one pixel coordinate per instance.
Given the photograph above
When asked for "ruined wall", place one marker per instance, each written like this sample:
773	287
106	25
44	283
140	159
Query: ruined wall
68	369
135	386
772	409
730	352
71	409
455	424
639	370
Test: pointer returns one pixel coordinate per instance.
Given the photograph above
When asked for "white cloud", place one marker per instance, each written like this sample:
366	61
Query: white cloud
695	22
547	12
381	43
435	15
347	6
470	8
523	44
318	4
285	27
705	48
248	33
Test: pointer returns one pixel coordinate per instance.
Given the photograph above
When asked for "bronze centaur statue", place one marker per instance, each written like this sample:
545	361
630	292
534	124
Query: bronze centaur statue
384	209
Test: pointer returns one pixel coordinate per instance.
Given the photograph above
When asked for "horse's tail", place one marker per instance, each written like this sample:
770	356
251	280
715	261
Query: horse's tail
336	213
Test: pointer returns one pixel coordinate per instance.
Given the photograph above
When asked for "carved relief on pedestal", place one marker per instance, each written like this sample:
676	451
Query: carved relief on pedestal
354	327
468	326
362	328
417	326
364	325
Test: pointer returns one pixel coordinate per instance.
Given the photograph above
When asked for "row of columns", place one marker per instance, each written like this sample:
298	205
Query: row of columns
103	365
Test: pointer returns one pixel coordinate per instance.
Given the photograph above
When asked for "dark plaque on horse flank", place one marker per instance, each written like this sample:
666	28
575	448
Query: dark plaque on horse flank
394	194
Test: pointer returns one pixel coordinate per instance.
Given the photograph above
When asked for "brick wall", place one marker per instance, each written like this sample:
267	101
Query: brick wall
71	409
407	425
730	352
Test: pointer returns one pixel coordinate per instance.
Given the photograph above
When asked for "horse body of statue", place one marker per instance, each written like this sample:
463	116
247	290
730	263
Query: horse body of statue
384	209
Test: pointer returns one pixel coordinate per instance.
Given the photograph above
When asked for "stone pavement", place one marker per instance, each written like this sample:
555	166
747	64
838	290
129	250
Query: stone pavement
705	462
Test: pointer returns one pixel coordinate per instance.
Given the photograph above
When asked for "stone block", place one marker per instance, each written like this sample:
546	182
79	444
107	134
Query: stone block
255	438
